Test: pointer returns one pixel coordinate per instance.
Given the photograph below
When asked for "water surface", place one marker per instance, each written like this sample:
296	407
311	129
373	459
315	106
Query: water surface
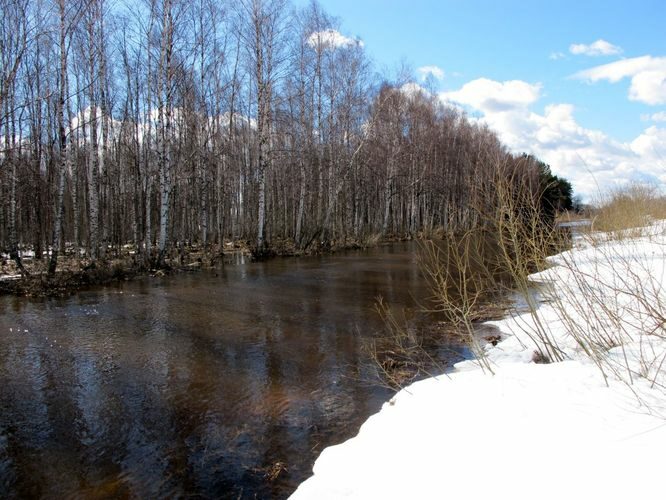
217	384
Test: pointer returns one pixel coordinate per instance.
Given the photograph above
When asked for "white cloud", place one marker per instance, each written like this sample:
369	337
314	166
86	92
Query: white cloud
647	74
649	87
412	89
435	71
598	48
624	68
655	117
651	143
556	56
491	96
331	38
590	159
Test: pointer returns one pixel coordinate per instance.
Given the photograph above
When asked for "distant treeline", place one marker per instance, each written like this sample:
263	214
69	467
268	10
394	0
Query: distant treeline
185	121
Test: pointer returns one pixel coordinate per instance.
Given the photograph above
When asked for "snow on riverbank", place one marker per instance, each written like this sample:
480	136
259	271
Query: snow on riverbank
592	426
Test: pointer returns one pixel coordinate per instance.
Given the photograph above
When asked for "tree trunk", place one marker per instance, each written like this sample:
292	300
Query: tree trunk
64	150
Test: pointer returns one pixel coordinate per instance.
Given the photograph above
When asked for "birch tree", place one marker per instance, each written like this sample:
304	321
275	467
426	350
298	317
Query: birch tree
164	124
65	27
263	35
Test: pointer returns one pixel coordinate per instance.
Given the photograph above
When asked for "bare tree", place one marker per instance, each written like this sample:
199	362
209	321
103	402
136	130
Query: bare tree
67	13
191	121
165	82
14	40
263	36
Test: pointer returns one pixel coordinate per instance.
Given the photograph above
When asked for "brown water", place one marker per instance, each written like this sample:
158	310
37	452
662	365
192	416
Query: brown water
194	385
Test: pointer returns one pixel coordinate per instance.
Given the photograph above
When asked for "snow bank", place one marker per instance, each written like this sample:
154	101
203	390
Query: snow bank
531	430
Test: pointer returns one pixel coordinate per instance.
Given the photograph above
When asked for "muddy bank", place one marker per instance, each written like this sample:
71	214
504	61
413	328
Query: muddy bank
66	281
125	263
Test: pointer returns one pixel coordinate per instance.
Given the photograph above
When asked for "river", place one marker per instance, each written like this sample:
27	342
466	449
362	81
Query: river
217	384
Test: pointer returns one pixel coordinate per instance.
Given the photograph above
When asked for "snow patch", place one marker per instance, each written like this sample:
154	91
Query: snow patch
530	430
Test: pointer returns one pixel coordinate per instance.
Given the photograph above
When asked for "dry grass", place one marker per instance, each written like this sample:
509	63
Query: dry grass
398	355
615	310
370	240
622	213
432	233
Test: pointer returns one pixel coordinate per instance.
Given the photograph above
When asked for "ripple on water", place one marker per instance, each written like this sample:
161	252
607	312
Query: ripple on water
212	384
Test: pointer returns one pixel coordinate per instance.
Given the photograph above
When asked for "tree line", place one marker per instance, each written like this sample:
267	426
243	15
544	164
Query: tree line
173	122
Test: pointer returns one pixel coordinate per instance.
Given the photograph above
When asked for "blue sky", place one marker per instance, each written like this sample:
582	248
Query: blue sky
534	71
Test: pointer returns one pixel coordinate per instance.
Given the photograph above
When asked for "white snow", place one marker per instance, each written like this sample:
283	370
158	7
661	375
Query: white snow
591	426
10	277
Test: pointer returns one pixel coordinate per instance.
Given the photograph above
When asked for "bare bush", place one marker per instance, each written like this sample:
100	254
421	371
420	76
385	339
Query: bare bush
615	309
468	270
607	299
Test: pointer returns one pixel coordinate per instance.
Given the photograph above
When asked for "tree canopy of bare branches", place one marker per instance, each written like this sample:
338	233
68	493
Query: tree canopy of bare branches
171	122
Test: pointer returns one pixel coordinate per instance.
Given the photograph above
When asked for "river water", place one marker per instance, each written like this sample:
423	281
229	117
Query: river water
216	384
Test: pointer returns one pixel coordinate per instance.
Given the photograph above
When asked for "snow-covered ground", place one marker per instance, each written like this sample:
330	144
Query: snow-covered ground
590	426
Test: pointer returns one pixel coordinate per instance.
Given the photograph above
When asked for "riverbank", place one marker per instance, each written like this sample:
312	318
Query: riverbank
126	263
592	425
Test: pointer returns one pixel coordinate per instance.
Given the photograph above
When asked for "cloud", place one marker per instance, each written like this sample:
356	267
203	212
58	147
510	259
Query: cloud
647	74
655	117
590	159
331	38
649	87
651	143
556	56
412	89
616	71
435	71
598	48
491	96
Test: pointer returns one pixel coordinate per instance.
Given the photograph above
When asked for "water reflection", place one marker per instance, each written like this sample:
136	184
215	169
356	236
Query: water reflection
206	384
